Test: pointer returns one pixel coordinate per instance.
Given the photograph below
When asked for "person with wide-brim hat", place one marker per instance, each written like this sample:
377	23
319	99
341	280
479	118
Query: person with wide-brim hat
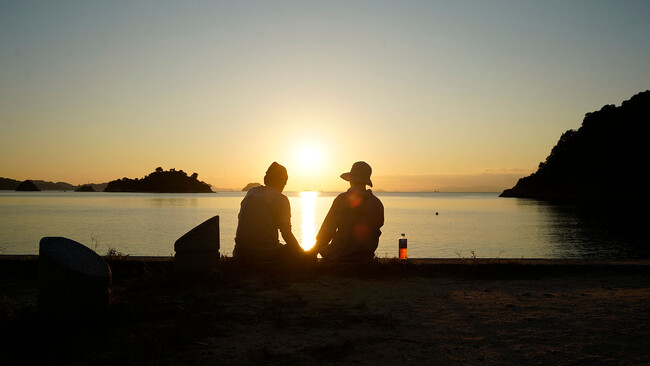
360	173
350	231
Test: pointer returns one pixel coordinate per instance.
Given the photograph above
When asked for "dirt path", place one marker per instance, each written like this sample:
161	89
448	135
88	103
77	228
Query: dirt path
371	320
451	321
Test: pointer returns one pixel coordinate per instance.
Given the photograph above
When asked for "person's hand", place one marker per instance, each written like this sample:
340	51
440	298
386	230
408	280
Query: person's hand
312	253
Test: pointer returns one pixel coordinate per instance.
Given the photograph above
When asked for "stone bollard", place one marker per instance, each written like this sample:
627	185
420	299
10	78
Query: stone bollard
197	252
73	280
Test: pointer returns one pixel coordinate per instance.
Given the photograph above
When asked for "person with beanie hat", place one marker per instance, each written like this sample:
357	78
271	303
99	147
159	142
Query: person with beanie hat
265	210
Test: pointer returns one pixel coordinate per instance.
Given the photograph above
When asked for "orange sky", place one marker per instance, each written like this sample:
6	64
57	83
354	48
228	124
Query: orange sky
451	96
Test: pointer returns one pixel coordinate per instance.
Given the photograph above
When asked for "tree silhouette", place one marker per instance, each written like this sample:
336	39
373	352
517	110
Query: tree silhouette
161	181
603	159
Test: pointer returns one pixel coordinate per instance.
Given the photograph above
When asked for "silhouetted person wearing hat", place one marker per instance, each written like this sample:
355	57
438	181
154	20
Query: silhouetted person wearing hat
352	223
265	210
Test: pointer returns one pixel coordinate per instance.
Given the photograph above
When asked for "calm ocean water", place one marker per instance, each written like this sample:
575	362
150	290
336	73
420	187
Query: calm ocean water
443	225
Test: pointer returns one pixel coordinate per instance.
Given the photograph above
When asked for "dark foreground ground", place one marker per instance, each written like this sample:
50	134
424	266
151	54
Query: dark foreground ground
465	311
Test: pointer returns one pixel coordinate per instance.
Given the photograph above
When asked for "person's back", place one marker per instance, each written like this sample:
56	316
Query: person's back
353	222
259	219
356	217
265	210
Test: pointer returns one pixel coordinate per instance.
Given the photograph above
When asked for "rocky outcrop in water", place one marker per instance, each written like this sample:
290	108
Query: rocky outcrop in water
604	160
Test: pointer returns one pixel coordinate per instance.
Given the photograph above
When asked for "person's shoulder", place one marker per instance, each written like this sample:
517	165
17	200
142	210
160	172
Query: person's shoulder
277	196
256	190
339	199
374	197
341	196
283	197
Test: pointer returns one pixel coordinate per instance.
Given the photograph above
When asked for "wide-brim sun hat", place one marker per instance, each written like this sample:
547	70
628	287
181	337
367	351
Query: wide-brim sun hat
360	172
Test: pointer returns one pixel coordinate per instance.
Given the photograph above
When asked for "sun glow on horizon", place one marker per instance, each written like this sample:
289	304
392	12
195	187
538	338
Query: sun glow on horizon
430	95
308	237
309	157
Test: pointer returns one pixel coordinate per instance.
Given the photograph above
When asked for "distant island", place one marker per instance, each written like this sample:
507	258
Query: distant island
12	184
161	181
604	160
27	186
168	182
249	186
85	188
8	184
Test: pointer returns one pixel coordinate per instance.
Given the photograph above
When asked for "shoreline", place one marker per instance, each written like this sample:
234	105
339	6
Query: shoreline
426	261
564	264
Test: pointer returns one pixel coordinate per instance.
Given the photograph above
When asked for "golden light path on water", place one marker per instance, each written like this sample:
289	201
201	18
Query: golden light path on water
308	237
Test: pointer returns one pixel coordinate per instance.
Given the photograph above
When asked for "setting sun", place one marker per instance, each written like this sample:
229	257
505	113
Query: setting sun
309	157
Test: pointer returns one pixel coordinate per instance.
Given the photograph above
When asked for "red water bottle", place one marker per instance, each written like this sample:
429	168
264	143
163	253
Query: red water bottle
402	246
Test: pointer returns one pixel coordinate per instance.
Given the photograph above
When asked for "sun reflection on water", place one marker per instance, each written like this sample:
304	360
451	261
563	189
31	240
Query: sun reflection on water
308	238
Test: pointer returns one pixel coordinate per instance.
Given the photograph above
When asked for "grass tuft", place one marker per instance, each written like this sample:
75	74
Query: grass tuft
114	254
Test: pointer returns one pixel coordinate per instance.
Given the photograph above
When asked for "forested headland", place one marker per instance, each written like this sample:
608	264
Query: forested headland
604	160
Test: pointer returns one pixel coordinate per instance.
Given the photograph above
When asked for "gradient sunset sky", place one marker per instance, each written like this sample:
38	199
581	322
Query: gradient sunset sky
435	95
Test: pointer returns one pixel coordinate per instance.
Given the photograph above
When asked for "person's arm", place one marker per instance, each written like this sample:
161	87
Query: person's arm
284	224
380	214
327	229
288	237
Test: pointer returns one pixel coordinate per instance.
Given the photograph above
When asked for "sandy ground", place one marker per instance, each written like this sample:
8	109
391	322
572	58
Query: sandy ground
324	319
